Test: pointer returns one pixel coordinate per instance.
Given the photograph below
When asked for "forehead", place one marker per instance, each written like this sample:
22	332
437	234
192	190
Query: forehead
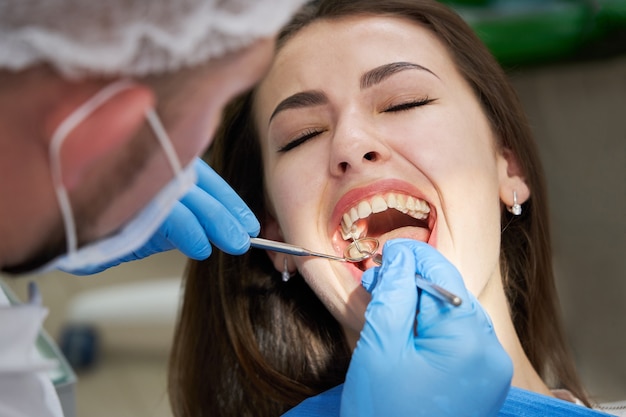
343	49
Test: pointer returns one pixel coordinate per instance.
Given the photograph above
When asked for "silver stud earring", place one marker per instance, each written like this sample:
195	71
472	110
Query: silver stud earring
516	208
286	275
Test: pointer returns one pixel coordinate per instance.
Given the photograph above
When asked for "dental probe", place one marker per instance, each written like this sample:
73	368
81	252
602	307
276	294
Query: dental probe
260	243
430	287
433	289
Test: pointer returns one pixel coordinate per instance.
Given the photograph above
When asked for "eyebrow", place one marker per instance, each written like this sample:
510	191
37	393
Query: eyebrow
379	74
370	78
300	100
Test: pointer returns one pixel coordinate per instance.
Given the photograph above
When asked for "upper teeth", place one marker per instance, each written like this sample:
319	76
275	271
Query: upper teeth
406	204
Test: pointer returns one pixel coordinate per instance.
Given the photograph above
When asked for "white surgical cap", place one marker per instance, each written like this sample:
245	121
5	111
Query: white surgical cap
131	37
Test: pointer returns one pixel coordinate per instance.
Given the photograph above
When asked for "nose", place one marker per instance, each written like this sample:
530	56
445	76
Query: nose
356	146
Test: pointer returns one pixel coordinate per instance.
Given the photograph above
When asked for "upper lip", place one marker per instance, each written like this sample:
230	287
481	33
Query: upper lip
382	196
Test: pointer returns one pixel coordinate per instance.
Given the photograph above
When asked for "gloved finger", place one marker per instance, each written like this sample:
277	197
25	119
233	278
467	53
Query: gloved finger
213	184
182	230
433	266
369	279
391	312
437	318
221	227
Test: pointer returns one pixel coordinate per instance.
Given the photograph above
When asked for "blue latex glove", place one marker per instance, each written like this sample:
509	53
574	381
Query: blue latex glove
211	212
455	366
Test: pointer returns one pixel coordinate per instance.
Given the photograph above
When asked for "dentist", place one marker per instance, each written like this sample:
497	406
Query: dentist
104	109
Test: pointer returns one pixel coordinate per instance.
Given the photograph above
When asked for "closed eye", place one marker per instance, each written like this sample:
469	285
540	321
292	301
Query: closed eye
408	105
305	136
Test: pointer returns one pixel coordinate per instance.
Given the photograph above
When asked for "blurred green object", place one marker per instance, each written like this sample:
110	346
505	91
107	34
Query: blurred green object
468	2
535	31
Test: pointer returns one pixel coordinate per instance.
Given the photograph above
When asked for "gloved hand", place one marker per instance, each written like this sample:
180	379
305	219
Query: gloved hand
211	212
453	366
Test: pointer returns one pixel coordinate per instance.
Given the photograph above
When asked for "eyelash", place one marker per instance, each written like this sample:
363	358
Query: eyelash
306	135
409	105
310	133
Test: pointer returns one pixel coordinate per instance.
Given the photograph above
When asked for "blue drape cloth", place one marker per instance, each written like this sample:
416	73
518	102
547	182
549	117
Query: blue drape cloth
519	403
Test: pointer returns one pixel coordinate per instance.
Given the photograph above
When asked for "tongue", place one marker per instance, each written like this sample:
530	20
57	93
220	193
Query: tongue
415	233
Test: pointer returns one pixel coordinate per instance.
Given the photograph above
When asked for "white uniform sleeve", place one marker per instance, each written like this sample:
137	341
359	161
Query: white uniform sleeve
26	390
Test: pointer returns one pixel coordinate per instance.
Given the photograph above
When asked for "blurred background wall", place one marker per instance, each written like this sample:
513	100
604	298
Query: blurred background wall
578	112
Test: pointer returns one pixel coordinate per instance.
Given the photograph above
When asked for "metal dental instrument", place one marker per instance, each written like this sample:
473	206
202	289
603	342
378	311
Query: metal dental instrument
355	252
260	243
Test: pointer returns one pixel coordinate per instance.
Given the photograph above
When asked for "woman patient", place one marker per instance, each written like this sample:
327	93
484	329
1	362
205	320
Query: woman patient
386	119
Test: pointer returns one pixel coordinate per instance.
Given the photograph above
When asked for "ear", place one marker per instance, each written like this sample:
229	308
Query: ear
110	126
511	179
271	230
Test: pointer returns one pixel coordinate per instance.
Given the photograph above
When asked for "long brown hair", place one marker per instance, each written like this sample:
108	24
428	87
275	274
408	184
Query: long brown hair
249	344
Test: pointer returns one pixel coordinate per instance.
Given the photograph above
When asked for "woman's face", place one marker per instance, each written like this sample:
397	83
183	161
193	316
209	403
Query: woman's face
367	126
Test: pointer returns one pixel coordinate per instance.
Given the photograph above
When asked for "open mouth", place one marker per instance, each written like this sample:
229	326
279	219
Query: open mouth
385	216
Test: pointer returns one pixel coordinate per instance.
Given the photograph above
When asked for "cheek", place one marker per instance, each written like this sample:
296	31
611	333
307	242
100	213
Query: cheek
447	139
342	295
456	152
292	190
479	252
472	220
195	136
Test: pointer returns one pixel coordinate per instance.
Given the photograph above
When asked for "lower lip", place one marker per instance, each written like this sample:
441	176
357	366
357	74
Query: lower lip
357	274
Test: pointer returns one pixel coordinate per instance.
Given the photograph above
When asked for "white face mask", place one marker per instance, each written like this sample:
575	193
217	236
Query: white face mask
140	229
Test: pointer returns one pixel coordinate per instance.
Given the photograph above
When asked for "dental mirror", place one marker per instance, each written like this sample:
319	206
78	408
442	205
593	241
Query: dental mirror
361	249
366	247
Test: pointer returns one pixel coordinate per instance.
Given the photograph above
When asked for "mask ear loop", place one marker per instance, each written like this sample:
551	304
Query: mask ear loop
59	136
165	141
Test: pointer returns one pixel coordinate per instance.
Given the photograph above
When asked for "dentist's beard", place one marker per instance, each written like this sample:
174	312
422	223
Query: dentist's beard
89	210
